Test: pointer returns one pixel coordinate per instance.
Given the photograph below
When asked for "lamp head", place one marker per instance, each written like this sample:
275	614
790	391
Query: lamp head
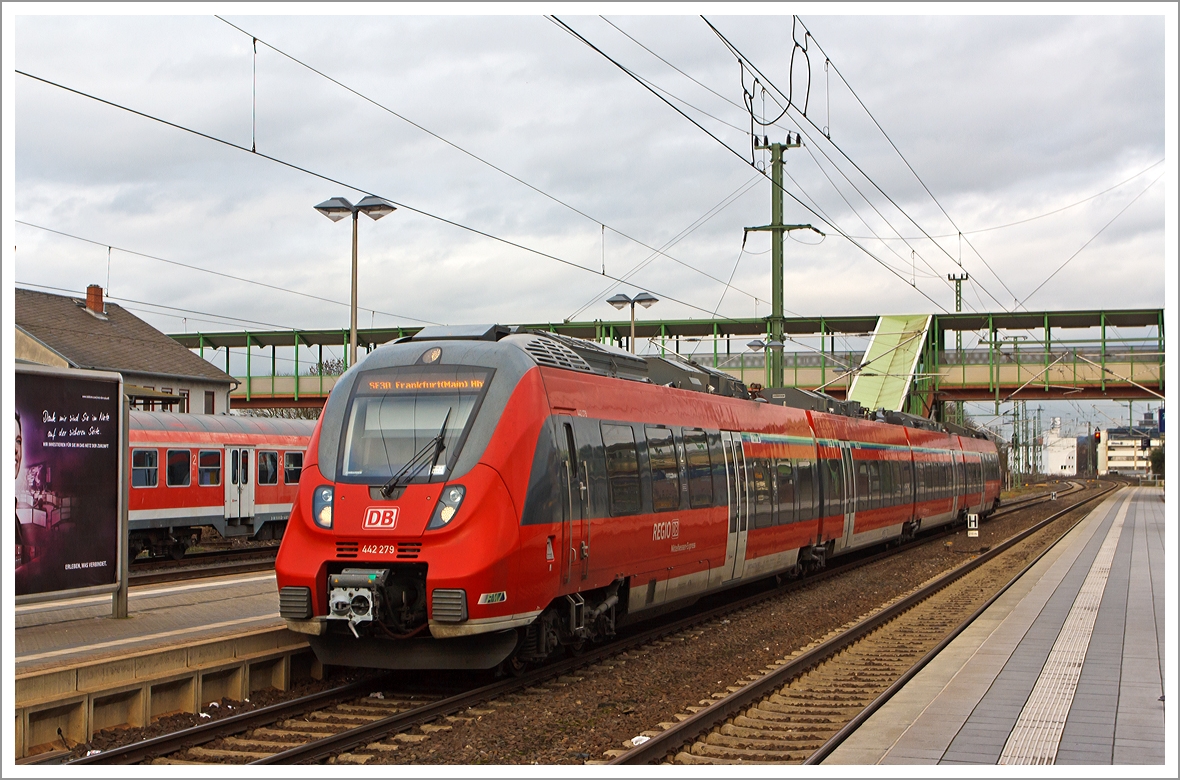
646	300
375	207
619	301
335	209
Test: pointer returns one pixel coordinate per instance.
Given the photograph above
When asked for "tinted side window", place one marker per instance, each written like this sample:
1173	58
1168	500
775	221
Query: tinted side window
700	469
760	476
786	492
834	486
209	467
622	468
806	488
179	468
863	497
665	470
268	468
145	468
292	467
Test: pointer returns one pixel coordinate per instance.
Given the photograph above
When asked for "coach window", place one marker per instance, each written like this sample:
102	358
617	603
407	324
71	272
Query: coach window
179	468
834	488
786	492
665	471
144	468
209	467
863	499
806	488
268	468
622	469
760	473
292	467
700	469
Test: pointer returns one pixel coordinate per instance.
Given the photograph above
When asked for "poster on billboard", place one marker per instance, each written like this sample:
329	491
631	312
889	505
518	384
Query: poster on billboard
68	479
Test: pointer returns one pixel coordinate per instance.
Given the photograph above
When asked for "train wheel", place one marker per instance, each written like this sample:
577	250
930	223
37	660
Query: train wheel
176	551
513	666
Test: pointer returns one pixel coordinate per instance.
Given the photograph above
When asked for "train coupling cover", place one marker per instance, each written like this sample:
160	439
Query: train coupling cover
354	595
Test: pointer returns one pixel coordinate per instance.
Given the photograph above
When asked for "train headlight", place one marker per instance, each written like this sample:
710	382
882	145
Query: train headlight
448	506
321	506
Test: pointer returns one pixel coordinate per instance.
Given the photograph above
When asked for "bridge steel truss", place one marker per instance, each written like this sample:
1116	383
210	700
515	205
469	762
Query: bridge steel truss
1021	356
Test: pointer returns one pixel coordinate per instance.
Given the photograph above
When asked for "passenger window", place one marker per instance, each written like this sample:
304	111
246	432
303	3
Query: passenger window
145	471
665	470
806	488
292	467
786	492
834	494
622	469
700	469
268	468
759	472
209	467
179	468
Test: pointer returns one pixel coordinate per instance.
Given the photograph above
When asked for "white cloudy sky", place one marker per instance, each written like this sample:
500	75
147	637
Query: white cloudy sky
1005	118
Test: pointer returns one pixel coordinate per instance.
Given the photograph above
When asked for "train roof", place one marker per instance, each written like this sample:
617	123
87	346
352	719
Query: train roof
219	423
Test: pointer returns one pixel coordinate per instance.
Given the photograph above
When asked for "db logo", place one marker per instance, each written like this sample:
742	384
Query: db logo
384	518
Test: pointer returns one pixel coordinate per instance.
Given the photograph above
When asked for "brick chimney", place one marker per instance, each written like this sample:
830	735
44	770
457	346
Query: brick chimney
94	298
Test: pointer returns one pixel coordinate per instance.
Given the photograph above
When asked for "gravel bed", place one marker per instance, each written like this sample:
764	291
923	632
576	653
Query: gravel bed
108	739
578	718
599	708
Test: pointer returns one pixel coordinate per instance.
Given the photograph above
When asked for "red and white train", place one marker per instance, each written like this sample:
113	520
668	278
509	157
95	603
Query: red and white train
239	475
482	496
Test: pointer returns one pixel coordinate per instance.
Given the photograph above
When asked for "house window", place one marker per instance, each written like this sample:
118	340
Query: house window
182	407
292	467
145	471
208	402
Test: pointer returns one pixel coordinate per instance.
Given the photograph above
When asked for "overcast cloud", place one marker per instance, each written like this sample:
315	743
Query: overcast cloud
1004	118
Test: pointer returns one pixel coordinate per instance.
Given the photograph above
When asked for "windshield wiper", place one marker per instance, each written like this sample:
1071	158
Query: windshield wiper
419	460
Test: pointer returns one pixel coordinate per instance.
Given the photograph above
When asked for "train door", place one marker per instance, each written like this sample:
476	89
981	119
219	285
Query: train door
575	525
849	492
239	483
739	504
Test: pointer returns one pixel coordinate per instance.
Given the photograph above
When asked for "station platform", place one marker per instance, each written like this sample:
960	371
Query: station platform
1066	667
81	630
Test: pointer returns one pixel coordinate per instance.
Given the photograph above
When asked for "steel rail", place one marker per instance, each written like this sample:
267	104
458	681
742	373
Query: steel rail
223	727
207	732
850	728
710	717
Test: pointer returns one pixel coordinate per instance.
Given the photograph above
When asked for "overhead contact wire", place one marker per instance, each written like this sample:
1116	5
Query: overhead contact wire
331	180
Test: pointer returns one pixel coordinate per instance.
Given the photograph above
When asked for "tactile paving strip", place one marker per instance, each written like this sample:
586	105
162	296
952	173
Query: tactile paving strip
1037	733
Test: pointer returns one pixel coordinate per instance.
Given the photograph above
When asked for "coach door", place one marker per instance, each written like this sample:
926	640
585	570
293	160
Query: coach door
849	492
739	504
575	527
956	483
239	482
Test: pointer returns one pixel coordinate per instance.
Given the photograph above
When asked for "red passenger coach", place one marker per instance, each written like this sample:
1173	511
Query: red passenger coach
239	475
484	496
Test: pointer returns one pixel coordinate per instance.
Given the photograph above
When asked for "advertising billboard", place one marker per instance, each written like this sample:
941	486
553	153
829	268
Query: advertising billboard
68	479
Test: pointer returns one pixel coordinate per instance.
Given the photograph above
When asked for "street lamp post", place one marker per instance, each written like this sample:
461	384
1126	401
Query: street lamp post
643	299
337	209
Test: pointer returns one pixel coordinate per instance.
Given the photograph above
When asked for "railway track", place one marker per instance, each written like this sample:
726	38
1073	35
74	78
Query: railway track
350	725
214	563
801	709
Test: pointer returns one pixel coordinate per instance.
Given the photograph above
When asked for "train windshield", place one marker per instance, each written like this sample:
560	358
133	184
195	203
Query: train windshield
407	414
